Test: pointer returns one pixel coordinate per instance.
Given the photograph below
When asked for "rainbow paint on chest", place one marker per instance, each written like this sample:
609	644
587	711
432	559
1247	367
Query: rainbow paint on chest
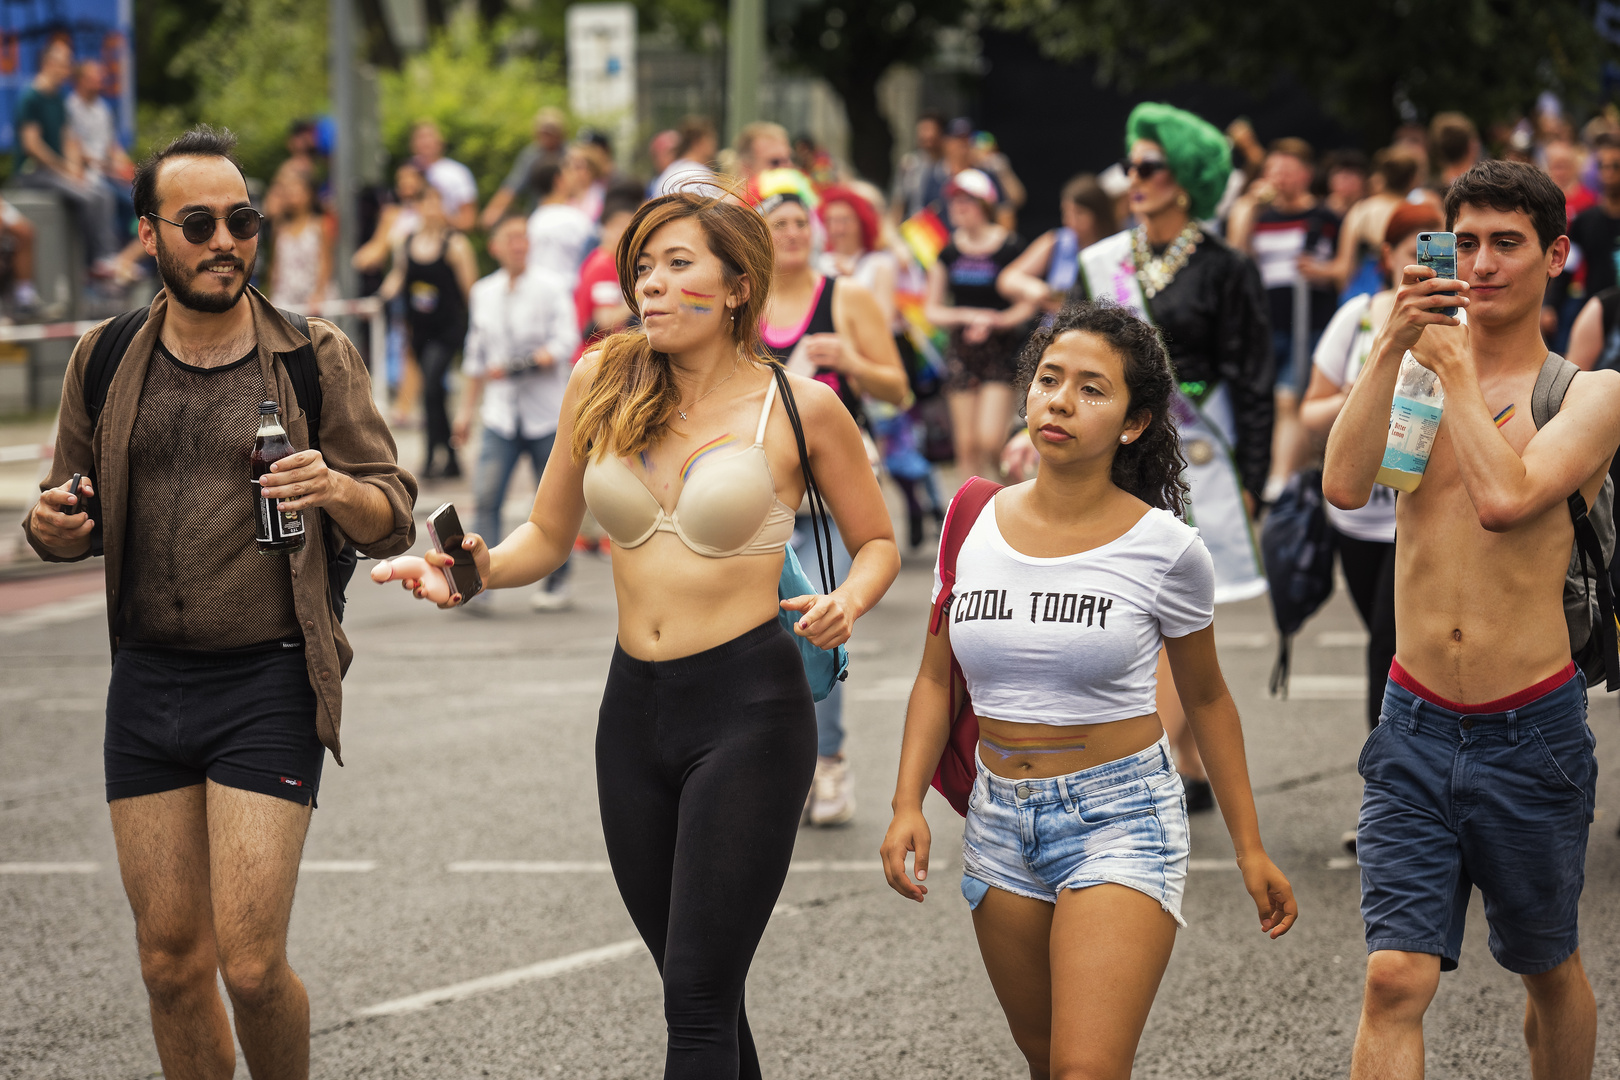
696	302
703	451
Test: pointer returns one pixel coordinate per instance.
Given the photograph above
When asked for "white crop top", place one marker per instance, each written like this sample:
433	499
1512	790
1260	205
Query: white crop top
1075	639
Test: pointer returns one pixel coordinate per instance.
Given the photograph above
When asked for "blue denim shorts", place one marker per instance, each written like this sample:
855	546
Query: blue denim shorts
1123	823
1498	800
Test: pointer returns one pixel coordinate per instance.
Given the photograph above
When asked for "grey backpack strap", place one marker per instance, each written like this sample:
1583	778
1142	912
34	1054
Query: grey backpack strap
1551	386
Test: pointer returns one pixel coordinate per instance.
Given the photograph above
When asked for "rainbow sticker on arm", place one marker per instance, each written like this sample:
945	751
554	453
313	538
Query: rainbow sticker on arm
1504	416
703	451
696	302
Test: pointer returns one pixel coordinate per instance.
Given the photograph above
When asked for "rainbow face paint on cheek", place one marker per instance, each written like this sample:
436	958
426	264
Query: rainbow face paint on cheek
697	303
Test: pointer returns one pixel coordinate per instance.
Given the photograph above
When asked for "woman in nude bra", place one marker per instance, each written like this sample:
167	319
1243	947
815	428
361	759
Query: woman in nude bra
674	435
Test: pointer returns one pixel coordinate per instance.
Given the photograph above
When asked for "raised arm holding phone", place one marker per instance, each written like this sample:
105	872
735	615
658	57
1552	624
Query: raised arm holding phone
1485	708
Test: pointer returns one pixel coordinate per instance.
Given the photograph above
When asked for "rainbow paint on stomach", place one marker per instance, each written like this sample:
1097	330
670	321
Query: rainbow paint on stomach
696	302
703	451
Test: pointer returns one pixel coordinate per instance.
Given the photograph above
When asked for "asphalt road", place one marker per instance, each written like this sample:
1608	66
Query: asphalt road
455	917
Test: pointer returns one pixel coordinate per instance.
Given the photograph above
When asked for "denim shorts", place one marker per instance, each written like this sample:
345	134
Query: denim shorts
1498	800
1123	823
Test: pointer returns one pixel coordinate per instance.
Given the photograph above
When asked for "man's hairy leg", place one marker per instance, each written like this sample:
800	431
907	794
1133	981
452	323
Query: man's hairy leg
1389	1041
255	841
1560	1022
163	857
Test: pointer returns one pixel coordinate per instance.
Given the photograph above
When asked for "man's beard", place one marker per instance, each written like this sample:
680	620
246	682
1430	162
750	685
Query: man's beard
178	277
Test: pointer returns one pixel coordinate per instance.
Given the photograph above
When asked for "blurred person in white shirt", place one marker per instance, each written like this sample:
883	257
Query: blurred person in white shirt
560	233
521	336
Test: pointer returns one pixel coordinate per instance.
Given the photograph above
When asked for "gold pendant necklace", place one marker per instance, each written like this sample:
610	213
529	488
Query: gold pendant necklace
706	393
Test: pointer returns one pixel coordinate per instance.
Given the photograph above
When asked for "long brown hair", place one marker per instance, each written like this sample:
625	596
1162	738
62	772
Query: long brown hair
633	398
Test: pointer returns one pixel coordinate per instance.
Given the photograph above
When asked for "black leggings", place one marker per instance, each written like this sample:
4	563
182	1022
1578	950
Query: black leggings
702	768
434	358
1369	570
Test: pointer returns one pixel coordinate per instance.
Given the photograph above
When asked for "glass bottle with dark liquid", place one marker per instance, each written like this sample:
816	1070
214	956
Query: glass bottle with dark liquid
281	532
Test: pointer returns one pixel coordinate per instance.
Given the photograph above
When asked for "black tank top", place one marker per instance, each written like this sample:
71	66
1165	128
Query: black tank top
434	306
821	322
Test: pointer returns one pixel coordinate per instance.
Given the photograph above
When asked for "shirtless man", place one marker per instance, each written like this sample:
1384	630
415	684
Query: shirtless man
1481	770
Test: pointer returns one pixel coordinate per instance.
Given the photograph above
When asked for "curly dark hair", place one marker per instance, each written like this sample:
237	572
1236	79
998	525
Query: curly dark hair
1149	467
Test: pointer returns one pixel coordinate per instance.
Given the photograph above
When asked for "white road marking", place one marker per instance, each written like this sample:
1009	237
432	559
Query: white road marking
79	607
1195	865
1342	862
1341	639
499	866
1327	687
49	867
861	866
337	866
546	969
1241	640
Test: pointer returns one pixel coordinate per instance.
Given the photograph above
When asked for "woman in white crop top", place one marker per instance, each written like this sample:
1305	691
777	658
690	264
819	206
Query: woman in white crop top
1076	846
678	438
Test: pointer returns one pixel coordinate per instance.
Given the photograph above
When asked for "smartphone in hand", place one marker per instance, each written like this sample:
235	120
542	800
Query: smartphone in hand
1439	251
446	534
74	489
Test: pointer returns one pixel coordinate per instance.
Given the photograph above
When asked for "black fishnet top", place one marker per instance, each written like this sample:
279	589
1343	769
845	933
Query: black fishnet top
193	577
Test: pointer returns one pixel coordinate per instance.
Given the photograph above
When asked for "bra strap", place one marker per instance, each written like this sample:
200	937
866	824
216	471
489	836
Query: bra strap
765	416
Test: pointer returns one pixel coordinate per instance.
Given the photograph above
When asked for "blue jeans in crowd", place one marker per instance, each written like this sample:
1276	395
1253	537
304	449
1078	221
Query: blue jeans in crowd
496	462
830	709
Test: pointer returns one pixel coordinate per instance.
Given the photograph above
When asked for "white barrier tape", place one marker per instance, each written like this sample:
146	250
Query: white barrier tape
26	452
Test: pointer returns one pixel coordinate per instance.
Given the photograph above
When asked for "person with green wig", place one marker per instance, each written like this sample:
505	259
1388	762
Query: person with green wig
1207	300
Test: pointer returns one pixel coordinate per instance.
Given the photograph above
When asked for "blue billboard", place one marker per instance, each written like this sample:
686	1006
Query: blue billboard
97	30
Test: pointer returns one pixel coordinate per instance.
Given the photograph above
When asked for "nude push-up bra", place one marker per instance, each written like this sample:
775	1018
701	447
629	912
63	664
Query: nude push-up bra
728	508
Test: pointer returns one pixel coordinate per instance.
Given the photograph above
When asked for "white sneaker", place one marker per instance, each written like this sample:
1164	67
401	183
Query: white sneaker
832	796
560	598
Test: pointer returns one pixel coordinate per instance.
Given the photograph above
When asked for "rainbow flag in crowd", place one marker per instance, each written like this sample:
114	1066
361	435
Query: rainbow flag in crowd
925	236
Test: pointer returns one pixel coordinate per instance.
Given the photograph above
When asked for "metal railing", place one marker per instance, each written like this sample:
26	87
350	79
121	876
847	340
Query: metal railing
368	307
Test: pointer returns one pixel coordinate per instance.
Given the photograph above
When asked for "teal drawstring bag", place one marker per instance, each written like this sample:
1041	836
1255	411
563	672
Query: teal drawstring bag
823	668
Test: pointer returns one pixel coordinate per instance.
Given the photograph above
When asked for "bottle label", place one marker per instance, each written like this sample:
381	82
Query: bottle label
1412	428
276	524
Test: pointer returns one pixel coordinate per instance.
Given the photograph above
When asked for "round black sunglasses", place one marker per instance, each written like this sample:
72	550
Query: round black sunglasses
1146	168
198	227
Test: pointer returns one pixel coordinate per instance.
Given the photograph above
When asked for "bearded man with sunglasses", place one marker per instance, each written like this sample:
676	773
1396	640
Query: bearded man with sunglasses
227	664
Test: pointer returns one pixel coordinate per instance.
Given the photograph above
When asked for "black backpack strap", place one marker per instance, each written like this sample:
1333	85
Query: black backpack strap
105	356
1586	538
818	506
305	375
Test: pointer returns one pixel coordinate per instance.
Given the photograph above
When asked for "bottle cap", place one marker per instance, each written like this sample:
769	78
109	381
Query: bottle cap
268	408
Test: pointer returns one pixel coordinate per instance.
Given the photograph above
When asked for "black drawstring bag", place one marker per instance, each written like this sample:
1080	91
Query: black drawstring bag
1296	543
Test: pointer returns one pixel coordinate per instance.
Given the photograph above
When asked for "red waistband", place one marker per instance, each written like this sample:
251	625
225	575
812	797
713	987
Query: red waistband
1401	677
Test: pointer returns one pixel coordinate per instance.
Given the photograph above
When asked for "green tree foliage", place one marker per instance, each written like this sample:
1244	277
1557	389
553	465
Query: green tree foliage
851	43
482	97
258	66
1362	62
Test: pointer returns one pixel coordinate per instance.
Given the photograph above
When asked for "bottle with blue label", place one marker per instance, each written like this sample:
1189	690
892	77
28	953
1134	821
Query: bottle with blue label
1414	420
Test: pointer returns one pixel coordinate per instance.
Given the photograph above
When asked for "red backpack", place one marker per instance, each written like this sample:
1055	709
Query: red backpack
959	764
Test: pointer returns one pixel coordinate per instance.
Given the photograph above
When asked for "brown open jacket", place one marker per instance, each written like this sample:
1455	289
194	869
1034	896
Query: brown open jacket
354	440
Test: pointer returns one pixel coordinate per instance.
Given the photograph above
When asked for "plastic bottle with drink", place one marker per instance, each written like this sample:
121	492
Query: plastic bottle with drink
280	532
1414	420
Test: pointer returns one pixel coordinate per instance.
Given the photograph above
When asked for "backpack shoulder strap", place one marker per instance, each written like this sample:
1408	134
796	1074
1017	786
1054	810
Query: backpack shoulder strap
105	356
965	509
1551	386
305	375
